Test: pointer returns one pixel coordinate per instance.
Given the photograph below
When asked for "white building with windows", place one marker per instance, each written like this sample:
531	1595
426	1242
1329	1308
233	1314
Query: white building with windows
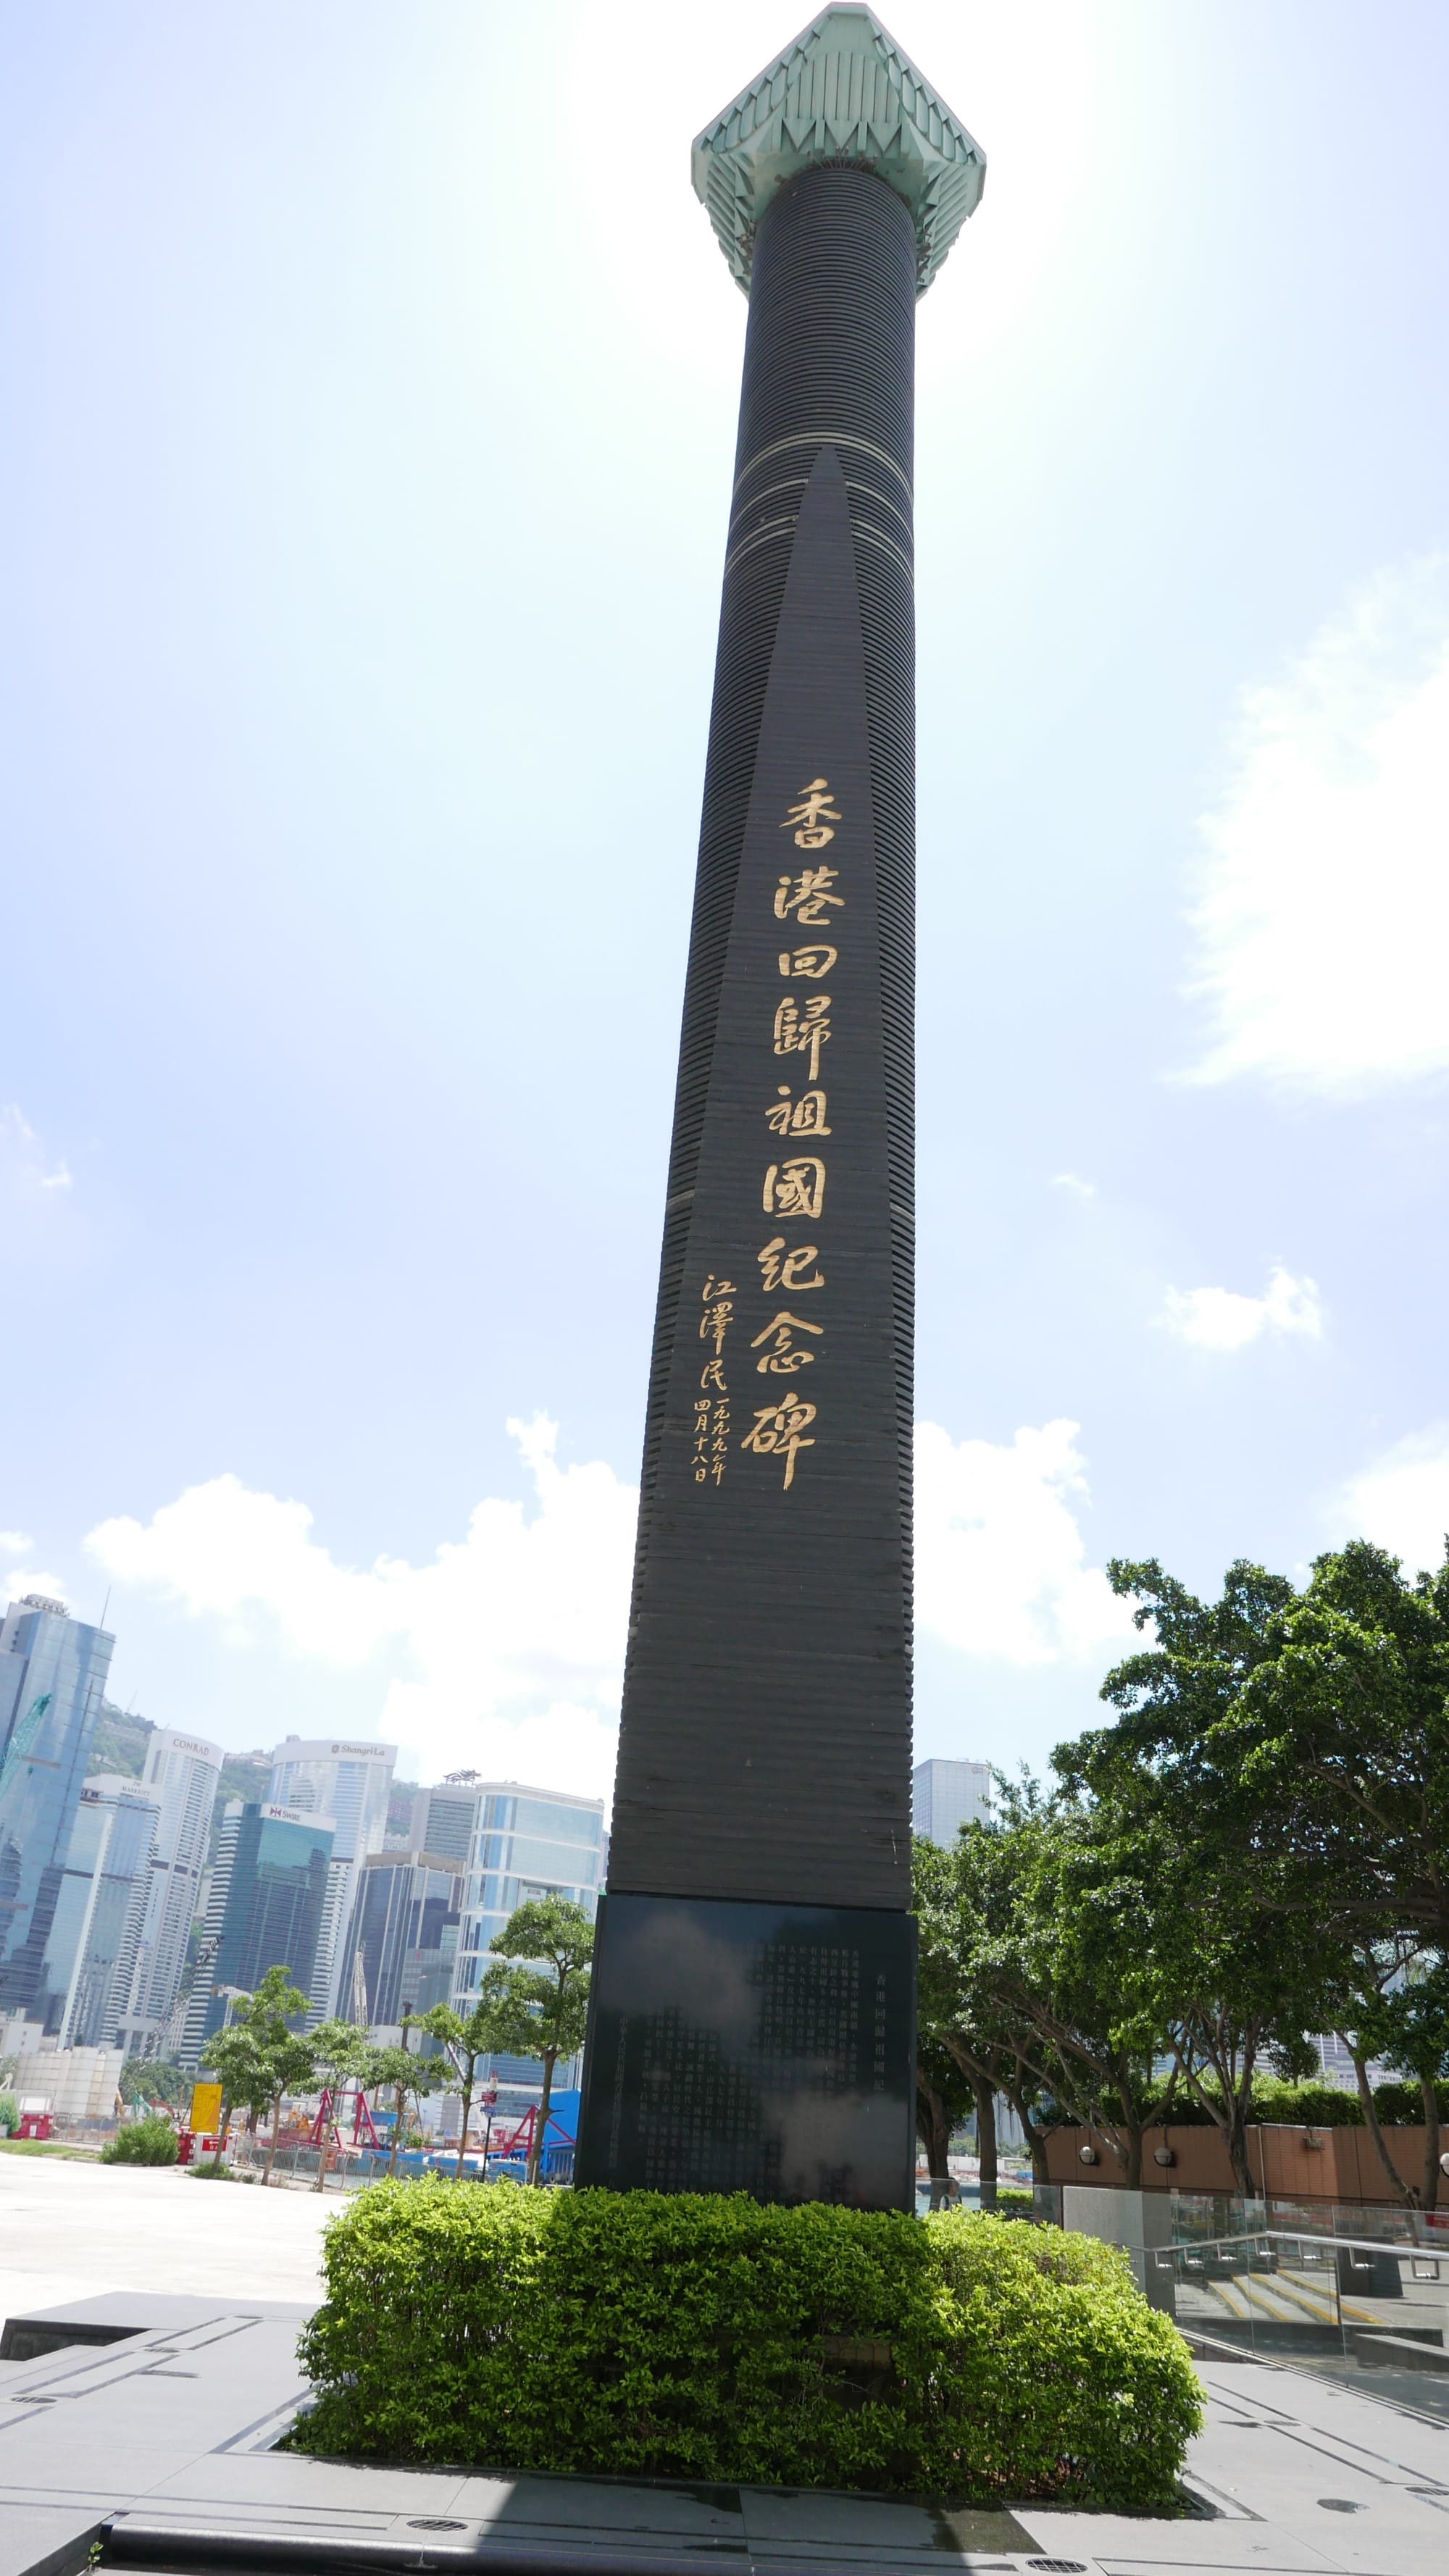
180	1777
351	1785
947	1795
526	1843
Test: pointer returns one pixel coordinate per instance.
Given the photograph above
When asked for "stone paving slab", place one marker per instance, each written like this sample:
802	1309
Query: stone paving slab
1295	2474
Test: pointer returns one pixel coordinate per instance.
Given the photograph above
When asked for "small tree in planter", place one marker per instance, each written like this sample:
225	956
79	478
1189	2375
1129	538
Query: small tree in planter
340	2051
399	2072
466	2041
544	2005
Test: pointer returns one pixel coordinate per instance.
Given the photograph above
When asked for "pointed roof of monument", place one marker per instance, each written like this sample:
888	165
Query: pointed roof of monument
843	91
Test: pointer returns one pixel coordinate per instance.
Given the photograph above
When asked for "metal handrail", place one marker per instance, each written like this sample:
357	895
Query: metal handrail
1308	2236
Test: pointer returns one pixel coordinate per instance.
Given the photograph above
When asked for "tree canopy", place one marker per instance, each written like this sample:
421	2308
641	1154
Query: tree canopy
1255	1848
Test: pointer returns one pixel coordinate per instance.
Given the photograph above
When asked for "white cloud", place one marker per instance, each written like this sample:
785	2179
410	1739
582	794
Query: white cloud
1218	1319
1324	921
506	1651
23	1157
1402	1500
1000	1560
1075	1186
27	1578
509	1644
15	1542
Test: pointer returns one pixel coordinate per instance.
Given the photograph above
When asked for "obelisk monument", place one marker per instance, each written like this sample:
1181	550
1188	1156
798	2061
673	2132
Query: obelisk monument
754	2004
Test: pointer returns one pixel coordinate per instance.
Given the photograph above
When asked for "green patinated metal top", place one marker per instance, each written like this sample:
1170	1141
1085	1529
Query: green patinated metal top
843	91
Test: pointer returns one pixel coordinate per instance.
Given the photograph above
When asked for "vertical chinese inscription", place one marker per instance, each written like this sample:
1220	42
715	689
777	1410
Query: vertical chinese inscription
712	1404
794	1183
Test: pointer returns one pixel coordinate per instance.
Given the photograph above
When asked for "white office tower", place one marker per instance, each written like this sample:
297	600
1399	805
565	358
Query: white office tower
193	2027
100	1899
445	1819
947	1795
351	1784
180	1776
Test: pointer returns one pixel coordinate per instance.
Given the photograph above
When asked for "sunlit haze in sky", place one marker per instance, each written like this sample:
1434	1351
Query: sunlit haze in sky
372	376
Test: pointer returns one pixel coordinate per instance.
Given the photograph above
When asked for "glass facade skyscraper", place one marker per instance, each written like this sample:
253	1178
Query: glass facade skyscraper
526	1843
90	1957
53	1673
402	1942
180	1775
947	1795
350	1784
273	1911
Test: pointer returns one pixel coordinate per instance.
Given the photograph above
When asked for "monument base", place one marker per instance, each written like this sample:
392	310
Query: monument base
751	2047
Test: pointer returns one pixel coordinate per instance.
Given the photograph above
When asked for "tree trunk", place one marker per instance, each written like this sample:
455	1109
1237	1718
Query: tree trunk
1429	2197
272	2144
1371	2123
535	2153
934	2127
322	2139
397	2121
467	2111
1035	2137
986	2142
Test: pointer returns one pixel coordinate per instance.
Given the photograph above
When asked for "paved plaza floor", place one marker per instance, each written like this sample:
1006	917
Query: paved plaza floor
68	2231
171	2431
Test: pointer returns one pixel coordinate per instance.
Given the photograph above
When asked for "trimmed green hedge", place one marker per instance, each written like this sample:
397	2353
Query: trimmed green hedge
717	2339
141	2142
1308	2105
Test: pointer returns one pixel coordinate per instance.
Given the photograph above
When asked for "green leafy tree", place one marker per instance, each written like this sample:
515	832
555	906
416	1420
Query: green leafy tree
154	2079
546	2000
973	1988
260	2055
1295	1746
236	2057
340	2051
943	2097
466	2039
1393	2004
400	2072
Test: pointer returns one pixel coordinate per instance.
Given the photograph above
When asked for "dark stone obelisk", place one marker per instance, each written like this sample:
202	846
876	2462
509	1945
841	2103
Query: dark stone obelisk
753	2022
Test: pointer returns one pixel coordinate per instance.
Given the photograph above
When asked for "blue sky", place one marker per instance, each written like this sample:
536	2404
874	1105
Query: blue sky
372	389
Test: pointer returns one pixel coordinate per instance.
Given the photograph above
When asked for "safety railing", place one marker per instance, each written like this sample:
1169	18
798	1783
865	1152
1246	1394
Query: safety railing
1316	2299
353	2168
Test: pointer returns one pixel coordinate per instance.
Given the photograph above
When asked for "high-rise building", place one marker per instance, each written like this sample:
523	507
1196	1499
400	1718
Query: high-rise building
349	1784
527	1842
947	1795
53	1672
195	2014
445	1819
402	1941
271	1913
90	1959
180	1775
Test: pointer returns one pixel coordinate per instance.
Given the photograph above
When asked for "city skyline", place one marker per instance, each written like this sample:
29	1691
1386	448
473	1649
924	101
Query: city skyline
326	1237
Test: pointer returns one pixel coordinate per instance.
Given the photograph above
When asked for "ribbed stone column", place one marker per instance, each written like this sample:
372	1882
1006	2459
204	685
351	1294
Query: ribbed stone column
754	2014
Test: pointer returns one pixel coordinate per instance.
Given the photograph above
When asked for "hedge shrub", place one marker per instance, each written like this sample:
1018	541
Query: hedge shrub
141	2142
717	2339
1314	2105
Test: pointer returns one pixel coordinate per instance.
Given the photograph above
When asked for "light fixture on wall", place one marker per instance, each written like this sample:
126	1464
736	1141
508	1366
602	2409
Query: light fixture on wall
1087	2155
1164	2155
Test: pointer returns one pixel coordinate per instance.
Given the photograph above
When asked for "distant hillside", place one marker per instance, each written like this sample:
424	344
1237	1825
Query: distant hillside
400	1806
120	1741
245	1776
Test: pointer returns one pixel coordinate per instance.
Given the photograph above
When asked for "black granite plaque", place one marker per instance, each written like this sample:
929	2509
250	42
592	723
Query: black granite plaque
747	2047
